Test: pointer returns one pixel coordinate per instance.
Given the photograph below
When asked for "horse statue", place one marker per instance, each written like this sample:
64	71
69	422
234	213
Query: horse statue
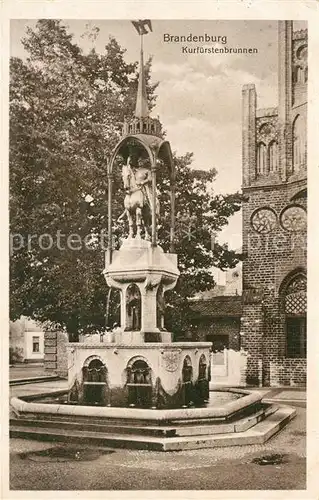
138	202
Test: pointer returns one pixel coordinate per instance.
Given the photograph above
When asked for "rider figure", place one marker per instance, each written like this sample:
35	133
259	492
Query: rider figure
143	179
137	181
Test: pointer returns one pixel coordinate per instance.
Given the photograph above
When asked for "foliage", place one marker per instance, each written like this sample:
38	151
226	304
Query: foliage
200	215
15	355
66	112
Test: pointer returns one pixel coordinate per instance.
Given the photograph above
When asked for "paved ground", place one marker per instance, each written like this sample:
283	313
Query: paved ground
211	469
208	469
38	388
25	370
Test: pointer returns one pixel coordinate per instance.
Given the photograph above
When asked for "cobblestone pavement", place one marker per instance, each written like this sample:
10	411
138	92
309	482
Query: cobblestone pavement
26	371
291	394
207	469
37	388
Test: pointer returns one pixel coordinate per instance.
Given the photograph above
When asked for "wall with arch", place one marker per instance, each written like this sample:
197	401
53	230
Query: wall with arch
272	255
275	206
165	368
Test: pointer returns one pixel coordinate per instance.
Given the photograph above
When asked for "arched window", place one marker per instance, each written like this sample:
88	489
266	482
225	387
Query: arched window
299	146
94	382
299	196
139	372
133	308
261	159
203	380
187	374
295	308
113	308
187	369
139	383
202	368
302	66
160	307
273	156
95	371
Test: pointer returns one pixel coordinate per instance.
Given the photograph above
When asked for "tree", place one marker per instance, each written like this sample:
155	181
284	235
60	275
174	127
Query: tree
200	215
66	113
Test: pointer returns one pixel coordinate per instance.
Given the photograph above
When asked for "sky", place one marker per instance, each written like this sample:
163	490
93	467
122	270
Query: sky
199	95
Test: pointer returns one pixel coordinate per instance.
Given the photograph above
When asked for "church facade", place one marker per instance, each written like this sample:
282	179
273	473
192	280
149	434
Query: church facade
274	154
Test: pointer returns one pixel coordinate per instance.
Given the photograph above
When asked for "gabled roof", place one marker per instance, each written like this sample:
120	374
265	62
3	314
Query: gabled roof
227	306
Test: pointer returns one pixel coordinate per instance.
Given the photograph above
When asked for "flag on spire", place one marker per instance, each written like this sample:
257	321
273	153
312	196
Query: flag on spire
142	26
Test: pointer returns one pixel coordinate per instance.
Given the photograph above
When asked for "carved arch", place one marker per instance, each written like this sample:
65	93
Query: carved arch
273	156
261	158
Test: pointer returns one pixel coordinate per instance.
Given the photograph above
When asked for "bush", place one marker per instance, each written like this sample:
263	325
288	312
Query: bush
15	355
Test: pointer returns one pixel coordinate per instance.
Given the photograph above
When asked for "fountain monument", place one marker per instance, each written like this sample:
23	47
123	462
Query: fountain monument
138	363
136	388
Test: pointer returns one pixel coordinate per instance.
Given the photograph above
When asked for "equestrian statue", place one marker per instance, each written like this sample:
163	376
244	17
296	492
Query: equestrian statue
138	201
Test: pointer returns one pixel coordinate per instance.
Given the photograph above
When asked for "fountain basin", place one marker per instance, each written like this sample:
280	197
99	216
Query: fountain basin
246	420
224	412
151	374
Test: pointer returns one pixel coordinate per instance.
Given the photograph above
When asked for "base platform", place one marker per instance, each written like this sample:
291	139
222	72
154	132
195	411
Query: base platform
159	430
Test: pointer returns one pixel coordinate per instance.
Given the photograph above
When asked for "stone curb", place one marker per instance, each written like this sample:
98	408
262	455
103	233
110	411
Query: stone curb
33	380
258	434
134	413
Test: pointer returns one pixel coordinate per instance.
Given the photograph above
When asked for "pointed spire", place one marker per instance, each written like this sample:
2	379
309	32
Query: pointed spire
141	122
141	108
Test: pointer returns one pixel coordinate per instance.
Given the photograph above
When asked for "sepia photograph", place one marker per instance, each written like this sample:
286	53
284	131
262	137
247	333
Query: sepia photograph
158	254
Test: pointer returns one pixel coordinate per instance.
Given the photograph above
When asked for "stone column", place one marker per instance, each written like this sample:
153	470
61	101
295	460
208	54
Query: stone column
249	100
109	220
149	310
123	307
154	221
50	351
285	97
172	229
55	352
252	334
62	355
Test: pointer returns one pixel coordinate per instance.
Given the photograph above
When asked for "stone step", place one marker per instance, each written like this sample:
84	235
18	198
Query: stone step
258	434
93	427
87	437
123	427
33	380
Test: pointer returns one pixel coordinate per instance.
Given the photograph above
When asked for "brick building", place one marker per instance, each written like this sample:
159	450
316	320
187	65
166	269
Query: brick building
218	311
219	321
273	325
55	353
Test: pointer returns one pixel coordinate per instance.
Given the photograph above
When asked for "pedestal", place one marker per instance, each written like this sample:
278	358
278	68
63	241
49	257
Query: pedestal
143	274
158	375
137	364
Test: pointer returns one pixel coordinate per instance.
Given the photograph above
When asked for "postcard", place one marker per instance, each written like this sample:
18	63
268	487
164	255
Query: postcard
161	268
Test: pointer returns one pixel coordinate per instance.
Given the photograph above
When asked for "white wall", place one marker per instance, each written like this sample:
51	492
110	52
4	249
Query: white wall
232	372
21	336
28	337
